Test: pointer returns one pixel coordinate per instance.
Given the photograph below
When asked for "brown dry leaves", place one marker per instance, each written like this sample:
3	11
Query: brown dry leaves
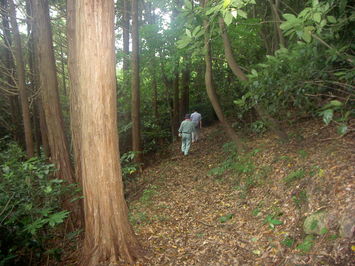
180	223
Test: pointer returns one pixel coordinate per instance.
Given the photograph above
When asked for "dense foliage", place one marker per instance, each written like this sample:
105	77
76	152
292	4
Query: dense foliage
31	211
297	58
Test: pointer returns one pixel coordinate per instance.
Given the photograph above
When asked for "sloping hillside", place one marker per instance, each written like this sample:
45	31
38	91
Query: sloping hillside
215	207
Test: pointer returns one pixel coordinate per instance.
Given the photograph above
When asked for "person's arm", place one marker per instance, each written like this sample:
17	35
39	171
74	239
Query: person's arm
180	128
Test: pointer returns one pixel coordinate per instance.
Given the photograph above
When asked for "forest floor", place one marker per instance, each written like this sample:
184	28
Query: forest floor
215	207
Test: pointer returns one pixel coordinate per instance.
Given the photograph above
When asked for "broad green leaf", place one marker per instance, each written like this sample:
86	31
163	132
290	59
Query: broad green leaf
242	14
289	17
336	103
276	222
188	32
188	5
305	12
331	19
185	41
317	17
342	129
315	3
226	3
228	18
212	10
327	116
307	36
323	23
196	30
48	189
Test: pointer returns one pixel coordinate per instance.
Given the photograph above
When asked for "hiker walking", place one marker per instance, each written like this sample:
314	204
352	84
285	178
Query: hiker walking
185	132
197	120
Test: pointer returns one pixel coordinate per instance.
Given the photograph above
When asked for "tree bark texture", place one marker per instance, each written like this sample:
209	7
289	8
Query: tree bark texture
108	234
135	82
176	116
211	92
184	106
10	66
49	91
73	83
20	71
275	14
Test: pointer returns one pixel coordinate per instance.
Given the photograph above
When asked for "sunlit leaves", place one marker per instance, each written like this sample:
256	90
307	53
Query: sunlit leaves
228	18
188	4
331	19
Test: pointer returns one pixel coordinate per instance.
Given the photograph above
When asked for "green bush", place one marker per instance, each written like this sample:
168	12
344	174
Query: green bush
30	208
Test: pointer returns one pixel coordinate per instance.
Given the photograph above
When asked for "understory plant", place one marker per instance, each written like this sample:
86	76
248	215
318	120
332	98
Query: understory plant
30	210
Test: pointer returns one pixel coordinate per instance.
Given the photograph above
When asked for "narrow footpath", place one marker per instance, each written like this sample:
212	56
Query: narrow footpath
184	215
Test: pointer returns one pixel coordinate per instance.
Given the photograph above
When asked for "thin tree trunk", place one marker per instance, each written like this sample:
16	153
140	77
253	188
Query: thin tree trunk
20	71
108	234
211	92
73	83
277	23
135	80
150	16
59	148
270	122
155	91
9	64
63	70
43	127
176	105
168	85
33	76
49	91
185	88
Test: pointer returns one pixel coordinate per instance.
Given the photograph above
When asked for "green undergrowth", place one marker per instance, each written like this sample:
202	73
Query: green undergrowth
241	170
30	214
139	215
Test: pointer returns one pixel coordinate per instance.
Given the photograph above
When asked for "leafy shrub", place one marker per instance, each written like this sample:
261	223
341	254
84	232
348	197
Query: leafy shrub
127	165
258	127
30	208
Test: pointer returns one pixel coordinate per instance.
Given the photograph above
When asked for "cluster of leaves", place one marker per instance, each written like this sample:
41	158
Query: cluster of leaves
289	81
29	198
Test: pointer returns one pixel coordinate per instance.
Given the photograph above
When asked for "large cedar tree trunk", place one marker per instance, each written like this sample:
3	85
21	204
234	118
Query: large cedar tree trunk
20	71
211	92
108	234
136	119
270	121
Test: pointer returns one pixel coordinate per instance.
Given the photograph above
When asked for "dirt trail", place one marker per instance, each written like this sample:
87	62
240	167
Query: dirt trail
187	217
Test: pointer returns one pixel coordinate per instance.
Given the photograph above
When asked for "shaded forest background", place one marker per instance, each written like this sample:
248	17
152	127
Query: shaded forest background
256	66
